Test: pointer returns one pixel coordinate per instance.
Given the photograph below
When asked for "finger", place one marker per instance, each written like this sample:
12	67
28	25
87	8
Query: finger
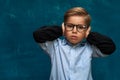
63	28
88	31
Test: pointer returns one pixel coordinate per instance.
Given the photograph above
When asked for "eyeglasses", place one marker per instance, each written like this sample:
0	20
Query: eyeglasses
79	27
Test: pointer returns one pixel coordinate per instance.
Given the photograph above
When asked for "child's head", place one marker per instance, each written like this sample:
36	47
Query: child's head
76	24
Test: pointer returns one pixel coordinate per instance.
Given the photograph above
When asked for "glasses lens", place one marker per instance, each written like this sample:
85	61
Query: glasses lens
81	28
69	27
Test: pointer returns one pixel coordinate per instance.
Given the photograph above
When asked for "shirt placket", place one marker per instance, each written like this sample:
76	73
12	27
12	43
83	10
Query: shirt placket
72	60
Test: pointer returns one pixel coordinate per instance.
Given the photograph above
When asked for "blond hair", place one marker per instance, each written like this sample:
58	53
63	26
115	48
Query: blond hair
78	11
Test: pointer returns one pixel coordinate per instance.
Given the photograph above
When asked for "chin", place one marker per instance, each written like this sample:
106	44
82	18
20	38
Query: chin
74	43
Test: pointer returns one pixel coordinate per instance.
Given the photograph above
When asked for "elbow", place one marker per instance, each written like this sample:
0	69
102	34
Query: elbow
108	50
112	49
38	38
35	36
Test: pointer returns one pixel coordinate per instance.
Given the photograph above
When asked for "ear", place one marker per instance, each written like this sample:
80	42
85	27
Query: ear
88	31
63	28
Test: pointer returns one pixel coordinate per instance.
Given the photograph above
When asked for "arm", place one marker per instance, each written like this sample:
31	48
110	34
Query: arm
103	43
47	33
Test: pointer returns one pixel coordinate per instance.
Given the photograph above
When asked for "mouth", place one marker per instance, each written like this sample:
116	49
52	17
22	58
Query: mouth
74	37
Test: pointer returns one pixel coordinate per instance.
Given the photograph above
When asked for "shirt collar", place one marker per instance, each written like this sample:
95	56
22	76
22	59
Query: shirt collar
66	42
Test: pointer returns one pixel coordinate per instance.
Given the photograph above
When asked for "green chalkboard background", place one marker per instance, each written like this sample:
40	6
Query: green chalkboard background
22	59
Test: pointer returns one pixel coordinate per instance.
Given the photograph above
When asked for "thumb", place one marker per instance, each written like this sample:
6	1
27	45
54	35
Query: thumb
63	28
88	31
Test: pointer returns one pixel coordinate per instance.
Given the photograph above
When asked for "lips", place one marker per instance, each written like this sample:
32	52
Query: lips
74	37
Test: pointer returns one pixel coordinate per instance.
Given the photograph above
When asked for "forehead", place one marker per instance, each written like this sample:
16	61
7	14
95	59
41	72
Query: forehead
76	20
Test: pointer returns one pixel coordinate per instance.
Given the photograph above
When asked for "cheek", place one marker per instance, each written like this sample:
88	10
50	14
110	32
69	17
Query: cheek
67	33
81	36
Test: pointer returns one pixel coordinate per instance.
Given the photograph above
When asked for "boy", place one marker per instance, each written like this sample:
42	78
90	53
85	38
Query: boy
71	56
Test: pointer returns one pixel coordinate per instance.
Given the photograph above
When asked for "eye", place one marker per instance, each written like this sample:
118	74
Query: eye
81	27
70	25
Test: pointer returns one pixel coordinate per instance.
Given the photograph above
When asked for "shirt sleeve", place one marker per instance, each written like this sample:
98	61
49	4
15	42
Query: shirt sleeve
47	37
101	43
49	47
97	52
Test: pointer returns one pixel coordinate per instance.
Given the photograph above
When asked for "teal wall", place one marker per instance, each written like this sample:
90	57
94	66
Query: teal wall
22	59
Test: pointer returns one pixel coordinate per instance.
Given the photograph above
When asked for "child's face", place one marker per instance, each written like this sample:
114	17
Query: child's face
76	34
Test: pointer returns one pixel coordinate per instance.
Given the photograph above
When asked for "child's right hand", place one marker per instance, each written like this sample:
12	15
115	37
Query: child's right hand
63	28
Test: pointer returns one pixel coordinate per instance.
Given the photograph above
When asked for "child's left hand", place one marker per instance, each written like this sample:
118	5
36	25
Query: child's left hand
88	31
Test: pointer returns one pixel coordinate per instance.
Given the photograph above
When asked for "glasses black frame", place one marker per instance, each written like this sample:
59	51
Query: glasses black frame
79	27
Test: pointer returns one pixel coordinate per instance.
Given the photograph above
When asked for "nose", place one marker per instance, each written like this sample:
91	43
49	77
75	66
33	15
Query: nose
74	29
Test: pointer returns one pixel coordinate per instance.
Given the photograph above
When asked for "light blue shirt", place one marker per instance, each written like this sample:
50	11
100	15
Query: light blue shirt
70	62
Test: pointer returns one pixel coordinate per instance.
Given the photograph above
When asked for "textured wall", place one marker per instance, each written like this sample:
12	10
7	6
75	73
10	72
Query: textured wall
22	59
